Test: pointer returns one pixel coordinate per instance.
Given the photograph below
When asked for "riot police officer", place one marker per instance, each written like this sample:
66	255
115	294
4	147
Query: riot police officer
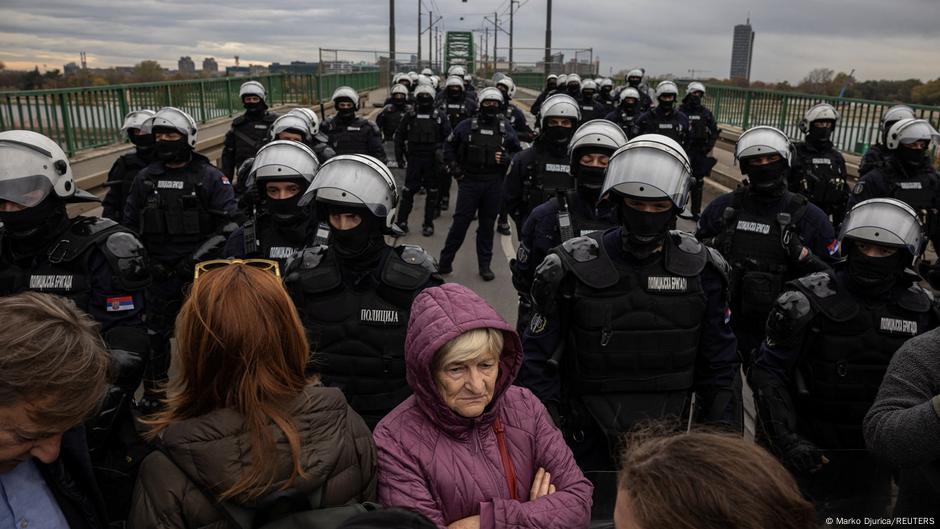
477	154
572	209
631	322
818	169
277	226
391	115
349	133
627	112
98	264
830	337
249	131
605	93
634	79
469	89
551	84
180	205
703	133
541	171
419	147
126	167
458	107
591	107
665	119
572	86
768	234
318	142
289	127
561	85
513	113
354	294
908	175
876	156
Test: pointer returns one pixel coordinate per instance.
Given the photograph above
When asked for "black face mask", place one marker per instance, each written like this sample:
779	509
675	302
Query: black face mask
910	157
574	90
551	85
769	179
558	134
667	105
590	177
358	246
37	223
633	82
694	100
398	100
346	114
255	108
286	210
606	90
177	151
144	144
643	232
819	135
488	112
425	103
875	275
455	95
587	95
628	108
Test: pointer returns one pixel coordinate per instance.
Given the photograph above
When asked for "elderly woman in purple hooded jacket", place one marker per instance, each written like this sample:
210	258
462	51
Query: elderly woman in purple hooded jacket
468	449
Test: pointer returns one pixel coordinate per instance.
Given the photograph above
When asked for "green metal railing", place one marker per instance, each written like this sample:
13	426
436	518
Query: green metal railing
858	127
91	117
532	81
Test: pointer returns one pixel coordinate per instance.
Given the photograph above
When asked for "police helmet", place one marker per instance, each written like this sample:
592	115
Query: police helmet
908	131
348	93
629	92
818	112
400	89
650	167
695	86
454	80
424	80
403	80
425	90
895	114
491	94
467	78
886	222
597	135
289	122
397	77
313	120
32	166
427	72
435	81
175	119
606	81
457	70
763	141
589	85
665	88
137	119
562	80
413	76
551	76
355	180
561	106
507	82
636	72
573	78
252	88
284	160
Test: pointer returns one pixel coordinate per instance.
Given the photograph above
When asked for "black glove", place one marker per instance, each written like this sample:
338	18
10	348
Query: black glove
799	455
455	171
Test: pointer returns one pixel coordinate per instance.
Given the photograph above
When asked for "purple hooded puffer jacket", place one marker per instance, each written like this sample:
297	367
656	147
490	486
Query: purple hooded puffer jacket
448	467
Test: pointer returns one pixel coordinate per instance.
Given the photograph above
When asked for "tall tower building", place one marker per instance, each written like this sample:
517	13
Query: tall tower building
742	51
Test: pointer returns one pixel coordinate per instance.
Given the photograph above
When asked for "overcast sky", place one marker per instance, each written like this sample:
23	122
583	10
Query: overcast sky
890	39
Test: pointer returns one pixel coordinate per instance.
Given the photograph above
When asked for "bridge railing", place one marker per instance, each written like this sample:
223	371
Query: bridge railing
90	117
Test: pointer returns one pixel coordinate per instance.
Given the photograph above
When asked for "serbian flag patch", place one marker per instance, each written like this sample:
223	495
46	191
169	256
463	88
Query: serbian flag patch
120	303
834	247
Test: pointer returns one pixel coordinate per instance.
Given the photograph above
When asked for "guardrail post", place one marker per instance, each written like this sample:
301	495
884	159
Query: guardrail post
122	103
746	118
718	105
67	125
202	101
169	96
784	110
228	95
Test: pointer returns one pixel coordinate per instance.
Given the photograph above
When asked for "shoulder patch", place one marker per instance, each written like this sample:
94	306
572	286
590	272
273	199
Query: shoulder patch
582	249
819	283
858	187
416	255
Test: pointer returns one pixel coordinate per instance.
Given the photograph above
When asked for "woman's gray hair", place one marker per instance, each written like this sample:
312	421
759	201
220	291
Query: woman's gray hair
469	346
52	359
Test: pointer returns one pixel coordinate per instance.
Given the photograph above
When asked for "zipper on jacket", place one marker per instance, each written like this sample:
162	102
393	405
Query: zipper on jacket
508	469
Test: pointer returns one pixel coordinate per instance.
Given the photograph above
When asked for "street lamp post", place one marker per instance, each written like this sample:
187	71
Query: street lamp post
548	37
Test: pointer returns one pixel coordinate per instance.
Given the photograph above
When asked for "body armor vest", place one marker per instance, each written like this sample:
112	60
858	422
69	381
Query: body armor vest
424	129
548	174
592	110
919	190
392	116
633	331
753	244
581	224
264	238
359	333
821	178
668	126
846	354
699	133
485	140
173	209
349	137
628	124
250	135
456	112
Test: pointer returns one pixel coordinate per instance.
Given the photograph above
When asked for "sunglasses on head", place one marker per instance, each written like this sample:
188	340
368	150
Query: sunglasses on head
214	264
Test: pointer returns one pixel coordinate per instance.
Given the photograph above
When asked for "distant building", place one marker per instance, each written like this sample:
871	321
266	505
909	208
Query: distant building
295	67
186	65
71	69
742	51
209	64
237	71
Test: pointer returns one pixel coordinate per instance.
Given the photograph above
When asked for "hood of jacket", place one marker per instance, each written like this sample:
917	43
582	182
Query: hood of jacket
439	315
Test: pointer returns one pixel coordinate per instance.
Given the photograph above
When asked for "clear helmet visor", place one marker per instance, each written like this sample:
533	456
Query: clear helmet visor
762	141
650	167
284	160
354	181
26	173
886	222
27	191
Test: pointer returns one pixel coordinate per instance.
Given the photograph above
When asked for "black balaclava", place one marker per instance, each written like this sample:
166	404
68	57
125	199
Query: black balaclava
910	158
693	100
399	99
176	151
668	106
574	90
587	96
629	108
820	136
769	181
31	229
144	144
634	82
606	90
875	276
284	211
551	84
588	180
488	113
455	94
347	114
642	232
360	247
557	136
255	109
425	103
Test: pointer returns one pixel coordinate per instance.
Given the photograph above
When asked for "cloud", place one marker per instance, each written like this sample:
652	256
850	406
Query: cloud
878	39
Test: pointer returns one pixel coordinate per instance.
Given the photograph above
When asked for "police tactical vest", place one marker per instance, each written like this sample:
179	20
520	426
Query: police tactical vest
456	112
547	174
753	245
590	111
633	332
822	180
581	224
628	124
425	128
359	334
392	116
668	126
919	190
265	239
173	209
699	133
485	140
350	137
846	354
250	134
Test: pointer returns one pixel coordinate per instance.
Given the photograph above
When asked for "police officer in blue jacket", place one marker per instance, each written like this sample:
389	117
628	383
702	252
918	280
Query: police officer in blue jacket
183	208
877	154
478	153
627	112
768	234
249	131
349	133
126	167
98	264
830	338
703	134
818	169
665	118
631	323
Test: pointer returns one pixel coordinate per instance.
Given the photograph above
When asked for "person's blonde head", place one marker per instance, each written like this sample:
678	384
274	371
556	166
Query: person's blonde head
469	346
